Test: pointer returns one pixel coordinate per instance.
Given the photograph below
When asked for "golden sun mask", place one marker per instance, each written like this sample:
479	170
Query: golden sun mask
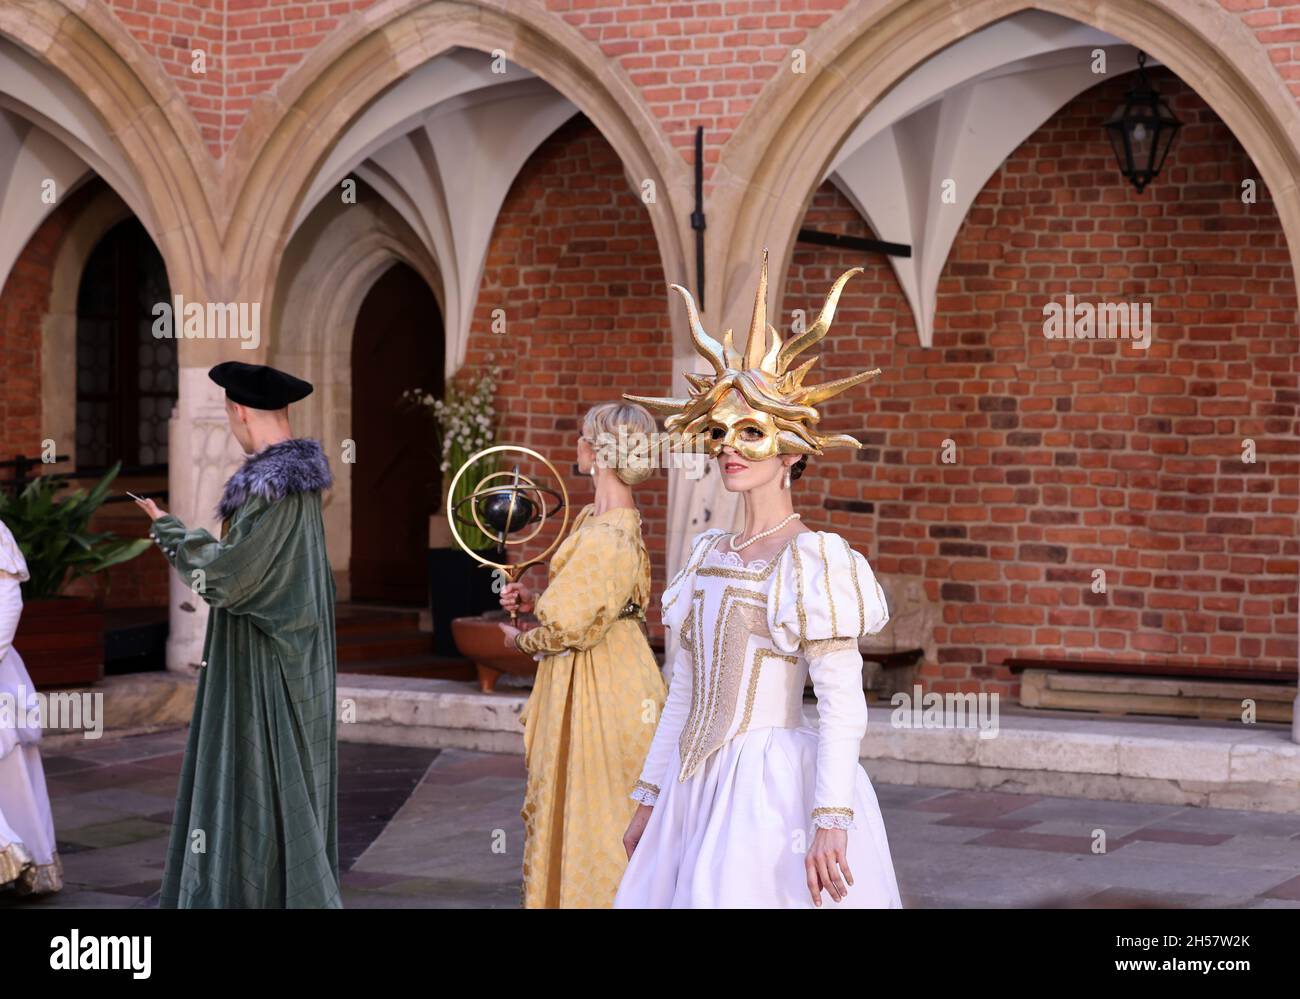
756	402
734	423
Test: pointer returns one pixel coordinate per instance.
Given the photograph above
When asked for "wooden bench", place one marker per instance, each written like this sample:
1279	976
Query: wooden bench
894	660
1155	688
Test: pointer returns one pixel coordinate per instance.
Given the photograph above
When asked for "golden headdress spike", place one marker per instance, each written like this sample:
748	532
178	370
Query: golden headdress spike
817	393
662	405
756	345
734	360
797	345
704	343
759	389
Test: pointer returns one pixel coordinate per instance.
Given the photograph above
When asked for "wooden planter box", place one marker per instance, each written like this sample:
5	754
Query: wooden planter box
62	641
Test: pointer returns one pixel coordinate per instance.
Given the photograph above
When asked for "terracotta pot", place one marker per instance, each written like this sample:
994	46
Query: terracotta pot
62	641
479	639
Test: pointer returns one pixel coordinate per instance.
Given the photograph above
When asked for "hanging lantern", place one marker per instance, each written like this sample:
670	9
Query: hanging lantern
1141	131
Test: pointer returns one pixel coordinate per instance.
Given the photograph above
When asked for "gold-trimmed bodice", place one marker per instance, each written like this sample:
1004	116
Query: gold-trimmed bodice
740	680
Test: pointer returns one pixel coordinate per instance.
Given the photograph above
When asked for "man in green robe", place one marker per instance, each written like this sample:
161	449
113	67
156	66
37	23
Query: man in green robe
256	821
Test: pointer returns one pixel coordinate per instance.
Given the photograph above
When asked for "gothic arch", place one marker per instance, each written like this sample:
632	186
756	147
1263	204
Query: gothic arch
332	263
143	112
288	136
59	327
774	161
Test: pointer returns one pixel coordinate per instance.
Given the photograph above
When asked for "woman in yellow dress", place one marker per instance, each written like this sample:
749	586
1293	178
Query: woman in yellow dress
596	699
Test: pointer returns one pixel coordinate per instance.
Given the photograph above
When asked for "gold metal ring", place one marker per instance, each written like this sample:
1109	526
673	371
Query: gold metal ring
512	571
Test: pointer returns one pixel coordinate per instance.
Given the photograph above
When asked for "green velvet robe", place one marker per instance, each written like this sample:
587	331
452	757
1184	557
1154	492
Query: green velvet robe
256	822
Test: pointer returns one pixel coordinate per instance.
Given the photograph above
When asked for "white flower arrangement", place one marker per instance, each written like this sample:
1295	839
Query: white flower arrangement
465	421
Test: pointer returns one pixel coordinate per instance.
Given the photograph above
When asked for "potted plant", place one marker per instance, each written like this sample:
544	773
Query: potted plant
62	638
464	421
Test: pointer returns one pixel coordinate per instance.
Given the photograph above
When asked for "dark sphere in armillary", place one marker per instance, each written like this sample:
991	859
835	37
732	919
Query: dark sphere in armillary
508	510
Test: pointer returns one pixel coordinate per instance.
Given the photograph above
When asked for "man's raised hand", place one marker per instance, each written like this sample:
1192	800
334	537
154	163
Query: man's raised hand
148	506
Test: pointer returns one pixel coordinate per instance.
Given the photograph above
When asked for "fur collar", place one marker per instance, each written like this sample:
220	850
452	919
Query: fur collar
293	466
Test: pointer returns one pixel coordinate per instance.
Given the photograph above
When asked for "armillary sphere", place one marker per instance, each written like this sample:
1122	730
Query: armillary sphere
505	503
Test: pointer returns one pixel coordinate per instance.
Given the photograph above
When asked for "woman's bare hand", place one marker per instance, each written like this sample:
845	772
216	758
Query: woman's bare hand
518	598
827	865
635	828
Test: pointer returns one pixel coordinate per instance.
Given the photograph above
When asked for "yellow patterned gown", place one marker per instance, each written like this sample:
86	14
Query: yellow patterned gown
592	713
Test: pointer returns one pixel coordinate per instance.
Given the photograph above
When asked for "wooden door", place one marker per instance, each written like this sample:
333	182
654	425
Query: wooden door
396	483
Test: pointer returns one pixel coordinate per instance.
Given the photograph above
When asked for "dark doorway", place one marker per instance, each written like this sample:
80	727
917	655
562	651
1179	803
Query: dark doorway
126	376
396	482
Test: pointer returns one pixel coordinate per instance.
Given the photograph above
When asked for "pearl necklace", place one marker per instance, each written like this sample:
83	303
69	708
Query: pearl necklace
761	534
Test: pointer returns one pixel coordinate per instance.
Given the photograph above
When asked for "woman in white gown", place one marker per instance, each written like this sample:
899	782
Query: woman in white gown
743	804
29	863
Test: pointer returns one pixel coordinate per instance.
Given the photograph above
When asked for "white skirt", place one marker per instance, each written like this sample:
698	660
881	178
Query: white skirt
736	833
29	860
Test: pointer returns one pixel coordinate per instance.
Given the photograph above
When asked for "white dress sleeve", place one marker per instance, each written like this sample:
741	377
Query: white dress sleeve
659	760
13	572
663	754
823	599
11	611
11	556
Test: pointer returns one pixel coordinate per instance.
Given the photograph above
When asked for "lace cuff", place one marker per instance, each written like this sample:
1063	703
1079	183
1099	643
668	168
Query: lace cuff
833	818
645	793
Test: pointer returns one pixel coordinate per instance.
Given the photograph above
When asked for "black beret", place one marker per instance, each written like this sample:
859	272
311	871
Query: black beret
259	386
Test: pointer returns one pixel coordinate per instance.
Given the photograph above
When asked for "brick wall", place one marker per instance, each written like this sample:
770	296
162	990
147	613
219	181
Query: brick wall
24	304
1074	456
698	63
170	31
264	40
248	46
694	63
574	265
1276	23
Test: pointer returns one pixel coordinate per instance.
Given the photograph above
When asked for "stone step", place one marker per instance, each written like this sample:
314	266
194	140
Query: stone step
1165	761
427	667
366	647
401	711
1168	761
354	622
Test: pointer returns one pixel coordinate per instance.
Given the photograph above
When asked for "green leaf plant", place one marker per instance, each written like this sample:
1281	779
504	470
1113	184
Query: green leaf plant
53	533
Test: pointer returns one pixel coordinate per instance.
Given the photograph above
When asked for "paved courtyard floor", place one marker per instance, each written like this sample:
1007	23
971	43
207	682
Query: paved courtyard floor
441	828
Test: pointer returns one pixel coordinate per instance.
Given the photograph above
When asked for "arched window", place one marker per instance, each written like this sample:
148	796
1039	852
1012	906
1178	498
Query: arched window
126	379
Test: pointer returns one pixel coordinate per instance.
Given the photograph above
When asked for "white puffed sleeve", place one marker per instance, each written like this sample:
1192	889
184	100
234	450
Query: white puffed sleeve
823	599
662	759
11	611
12	562
13	571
